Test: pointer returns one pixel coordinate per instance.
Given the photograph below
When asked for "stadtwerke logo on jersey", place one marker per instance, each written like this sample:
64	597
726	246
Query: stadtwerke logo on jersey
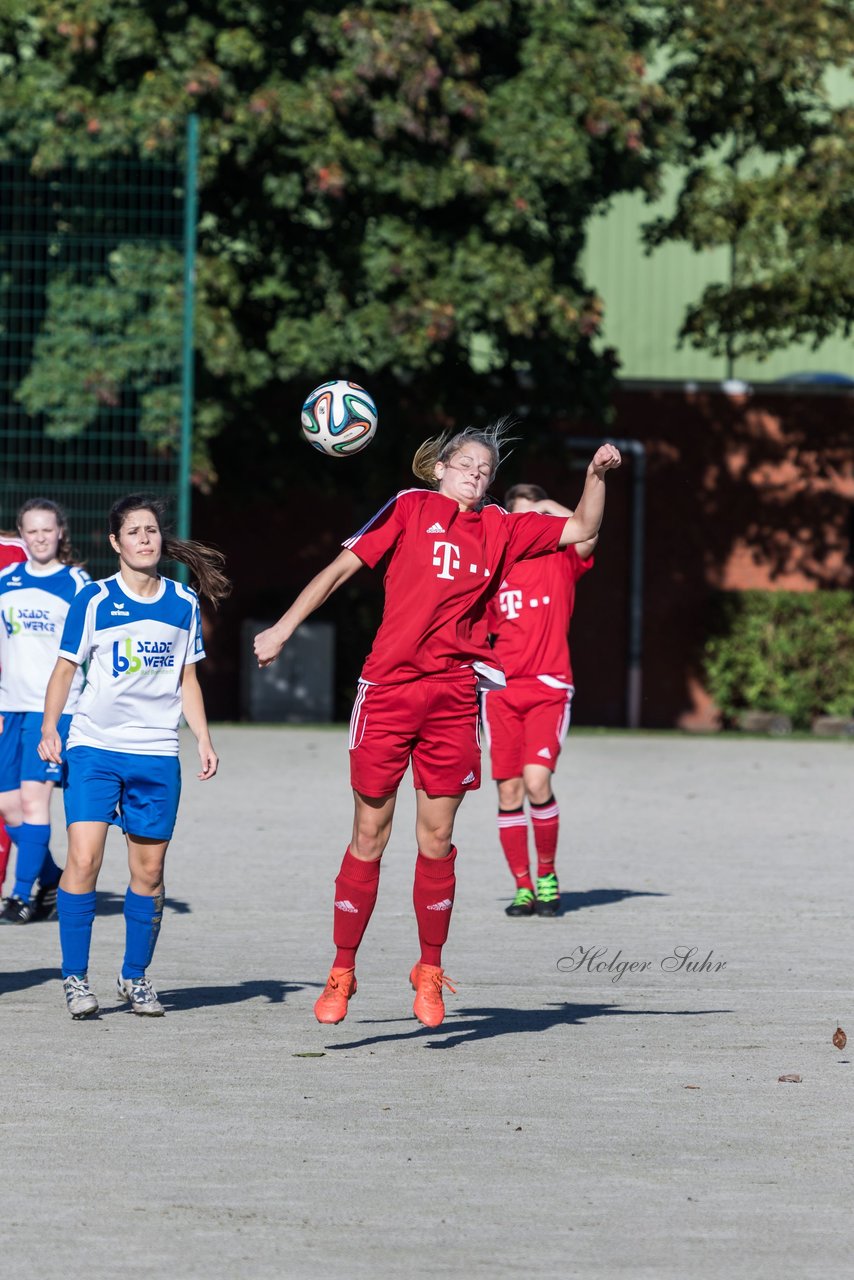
18	620
131	656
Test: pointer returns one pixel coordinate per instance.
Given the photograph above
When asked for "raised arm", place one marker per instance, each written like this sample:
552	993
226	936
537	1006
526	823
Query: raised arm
269	644
56	696
584	524
548	507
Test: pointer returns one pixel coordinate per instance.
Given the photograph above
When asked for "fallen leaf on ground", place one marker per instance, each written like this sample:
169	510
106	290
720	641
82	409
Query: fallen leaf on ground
690	1086
791	1079
840	1039
308	1055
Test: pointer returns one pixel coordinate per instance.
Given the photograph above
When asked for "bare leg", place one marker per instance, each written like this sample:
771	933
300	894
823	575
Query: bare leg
145	861
86	841
434	823
371	826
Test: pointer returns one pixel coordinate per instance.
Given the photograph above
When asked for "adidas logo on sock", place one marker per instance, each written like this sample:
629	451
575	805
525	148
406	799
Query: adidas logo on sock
469	778
344	905
544	751
436	528
444	905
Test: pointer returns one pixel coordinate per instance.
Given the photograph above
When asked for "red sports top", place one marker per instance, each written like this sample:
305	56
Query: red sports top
11	552
529	615
445	565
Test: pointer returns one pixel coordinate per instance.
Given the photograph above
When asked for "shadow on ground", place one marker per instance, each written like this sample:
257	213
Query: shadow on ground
113	904
601	898
27	978
269	989
468	1026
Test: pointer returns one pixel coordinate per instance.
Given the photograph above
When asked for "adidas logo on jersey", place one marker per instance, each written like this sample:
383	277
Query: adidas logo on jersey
343	904
545	753
436	528
469	778
444	905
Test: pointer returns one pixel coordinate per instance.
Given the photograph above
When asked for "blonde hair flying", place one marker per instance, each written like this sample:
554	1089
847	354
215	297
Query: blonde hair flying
440	448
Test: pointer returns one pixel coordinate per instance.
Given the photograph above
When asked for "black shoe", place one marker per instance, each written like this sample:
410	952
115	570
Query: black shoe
522	905
548	896
44	903
15	911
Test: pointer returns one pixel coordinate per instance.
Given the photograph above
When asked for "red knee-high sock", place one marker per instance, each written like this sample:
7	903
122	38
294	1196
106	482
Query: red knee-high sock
433	898
356	888
545	819
513	834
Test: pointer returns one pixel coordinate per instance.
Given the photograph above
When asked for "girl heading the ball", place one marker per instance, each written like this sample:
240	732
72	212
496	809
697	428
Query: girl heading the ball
446	554
140	636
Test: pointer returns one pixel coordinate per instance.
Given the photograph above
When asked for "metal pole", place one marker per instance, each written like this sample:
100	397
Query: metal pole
187	351
634	665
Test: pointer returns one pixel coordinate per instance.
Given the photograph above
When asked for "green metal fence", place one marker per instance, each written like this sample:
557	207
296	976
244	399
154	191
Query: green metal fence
96	339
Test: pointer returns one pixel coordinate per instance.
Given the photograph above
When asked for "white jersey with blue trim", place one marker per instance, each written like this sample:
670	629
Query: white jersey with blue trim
136	648
34	605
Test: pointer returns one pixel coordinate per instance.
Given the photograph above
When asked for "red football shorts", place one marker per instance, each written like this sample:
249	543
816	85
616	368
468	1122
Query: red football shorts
432	721
525	723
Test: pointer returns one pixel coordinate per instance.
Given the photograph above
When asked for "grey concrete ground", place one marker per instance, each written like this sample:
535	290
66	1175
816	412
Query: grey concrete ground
563	1122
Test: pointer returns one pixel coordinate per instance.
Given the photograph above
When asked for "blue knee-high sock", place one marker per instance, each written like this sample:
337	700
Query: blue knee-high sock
50	872
76	913
142	925
14	834
33	840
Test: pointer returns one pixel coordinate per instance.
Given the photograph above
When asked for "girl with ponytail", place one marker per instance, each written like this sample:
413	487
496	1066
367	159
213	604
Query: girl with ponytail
140	634
446	552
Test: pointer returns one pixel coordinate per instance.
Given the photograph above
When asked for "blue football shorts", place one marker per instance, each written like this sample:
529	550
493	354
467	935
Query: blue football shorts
136	792
19	755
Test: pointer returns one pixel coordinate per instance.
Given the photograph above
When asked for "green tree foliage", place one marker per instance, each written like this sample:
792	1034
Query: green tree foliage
389	191
115	334
786	652
767	137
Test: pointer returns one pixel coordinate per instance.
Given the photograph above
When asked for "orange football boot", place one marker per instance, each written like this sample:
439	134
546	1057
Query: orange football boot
427	982
331	1005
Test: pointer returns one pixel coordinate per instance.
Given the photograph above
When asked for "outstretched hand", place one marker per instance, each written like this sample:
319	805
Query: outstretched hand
606	458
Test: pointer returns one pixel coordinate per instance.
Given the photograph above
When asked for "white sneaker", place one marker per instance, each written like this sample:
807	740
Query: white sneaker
141	994
80	1001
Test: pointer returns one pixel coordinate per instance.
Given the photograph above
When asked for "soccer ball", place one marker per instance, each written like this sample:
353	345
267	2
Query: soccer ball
339	418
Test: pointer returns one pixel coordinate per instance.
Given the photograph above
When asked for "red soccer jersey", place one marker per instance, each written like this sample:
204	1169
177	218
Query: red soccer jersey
11	551
529	615
444	566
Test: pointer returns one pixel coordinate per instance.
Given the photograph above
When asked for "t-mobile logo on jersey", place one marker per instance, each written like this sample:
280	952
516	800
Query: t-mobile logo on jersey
446	555
510	602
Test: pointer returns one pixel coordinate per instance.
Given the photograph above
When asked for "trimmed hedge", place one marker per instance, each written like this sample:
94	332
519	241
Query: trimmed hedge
786	652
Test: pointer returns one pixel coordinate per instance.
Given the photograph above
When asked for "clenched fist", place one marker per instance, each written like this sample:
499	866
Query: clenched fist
606	458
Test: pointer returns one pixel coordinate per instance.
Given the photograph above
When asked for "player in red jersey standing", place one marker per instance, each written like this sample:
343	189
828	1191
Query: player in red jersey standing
446	553
12	551
527	720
